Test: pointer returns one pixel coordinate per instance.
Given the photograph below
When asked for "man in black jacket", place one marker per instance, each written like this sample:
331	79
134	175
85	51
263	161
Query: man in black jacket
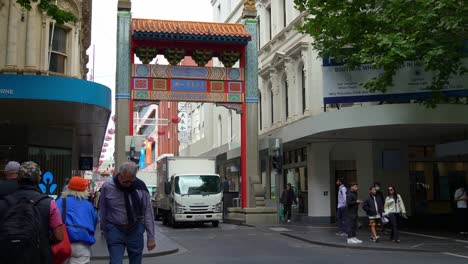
287	199
374	209
353	205
9	185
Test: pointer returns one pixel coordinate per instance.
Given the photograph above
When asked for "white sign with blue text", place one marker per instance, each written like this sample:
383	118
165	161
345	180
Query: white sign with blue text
344	85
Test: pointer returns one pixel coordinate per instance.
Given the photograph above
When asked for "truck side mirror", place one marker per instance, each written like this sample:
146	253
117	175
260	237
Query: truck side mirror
167	188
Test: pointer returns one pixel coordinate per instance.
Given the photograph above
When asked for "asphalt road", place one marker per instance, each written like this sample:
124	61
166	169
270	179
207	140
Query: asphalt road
244	245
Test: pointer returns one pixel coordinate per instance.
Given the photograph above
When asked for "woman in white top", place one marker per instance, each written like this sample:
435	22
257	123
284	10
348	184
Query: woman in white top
393	209
461	198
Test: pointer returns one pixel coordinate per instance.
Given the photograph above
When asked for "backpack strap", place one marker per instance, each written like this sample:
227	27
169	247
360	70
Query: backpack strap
64	210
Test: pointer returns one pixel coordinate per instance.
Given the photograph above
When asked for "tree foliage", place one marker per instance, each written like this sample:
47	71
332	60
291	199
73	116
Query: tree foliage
385	33
52	10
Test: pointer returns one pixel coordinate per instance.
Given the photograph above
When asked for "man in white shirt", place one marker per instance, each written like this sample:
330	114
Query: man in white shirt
461	197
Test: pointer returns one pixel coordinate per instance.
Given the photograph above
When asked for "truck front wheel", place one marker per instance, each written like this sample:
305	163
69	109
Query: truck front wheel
215	223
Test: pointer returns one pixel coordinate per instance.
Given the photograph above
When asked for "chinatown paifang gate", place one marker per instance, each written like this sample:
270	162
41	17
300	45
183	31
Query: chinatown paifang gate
234	88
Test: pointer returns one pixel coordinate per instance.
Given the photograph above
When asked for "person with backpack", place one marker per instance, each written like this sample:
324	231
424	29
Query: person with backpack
80	219
27	217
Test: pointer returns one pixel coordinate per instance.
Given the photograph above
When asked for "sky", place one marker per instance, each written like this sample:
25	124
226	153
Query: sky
103	34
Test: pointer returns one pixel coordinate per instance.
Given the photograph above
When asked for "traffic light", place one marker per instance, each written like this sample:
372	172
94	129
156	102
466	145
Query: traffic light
277	164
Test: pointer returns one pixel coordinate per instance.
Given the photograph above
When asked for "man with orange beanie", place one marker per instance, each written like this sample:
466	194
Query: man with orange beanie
80	219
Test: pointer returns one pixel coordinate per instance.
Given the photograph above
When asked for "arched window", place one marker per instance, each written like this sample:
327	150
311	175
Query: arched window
220	131
272	106
303	89
260	107
286	97
230	126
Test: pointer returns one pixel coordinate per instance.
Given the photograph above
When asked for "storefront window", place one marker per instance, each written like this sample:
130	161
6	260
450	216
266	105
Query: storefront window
55	161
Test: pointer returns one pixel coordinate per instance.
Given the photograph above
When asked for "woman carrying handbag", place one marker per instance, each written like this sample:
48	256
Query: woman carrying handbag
394	209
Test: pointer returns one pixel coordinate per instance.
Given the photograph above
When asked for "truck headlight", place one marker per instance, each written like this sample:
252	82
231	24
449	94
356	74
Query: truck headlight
179	209
218	208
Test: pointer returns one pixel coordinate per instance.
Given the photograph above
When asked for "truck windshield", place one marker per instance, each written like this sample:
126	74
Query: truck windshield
197	185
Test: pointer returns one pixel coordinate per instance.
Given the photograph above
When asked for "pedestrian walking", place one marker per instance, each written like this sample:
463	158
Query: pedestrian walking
461	198
394	209
373	206
80	220
287	199
352	203
9	184
341	211
125	214
28	217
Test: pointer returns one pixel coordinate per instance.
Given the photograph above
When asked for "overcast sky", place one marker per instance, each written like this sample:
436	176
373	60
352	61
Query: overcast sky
104	26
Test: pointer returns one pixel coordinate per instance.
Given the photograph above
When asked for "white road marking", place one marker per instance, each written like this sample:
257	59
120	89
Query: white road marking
415	246
279	229
416	234
455	255
463	241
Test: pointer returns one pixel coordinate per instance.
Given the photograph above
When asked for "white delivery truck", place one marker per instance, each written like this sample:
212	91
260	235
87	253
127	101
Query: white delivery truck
189	190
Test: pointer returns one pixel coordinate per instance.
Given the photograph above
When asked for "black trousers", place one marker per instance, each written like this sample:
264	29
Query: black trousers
462	217
287	211
395	224
352	225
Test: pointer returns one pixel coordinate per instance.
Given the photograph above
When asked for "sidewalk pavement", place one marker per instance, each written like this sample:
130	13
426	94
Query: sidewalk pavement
164	246
325	235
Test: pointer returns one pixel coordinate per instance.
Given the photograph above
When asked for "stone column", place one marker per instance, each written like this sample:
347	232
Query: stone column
275	87
291	81
122	93
32	40
11	55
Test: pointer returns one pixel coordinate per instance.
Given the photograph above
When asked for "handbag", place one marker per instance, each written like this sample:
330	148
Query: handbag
385	220
62	250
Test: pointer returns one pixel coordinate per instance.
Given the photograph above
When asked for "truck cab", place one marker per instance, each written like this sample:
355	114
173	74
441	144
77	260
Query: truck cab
192	192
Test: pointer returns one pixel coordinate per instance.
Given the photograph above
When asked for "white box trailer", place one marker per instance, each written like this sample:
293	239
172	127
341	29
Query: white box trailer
189	190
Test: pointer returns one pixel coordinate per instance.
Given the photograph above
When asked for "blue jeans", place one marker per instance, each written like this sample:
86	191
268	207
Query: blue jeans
118	238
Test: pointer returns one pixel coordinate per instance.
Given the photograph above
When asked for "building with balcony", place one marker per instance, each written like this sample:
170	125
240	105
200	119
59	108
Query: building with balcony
387	138
50	113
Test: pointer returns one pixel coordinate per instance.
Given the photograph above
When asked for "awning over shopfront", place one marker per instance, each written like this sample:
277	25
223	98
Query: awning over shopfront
59	102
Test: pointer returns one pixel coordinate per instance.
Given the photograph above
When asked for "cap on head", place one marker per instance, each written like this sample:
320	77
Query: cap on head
78	184
29	171
12	167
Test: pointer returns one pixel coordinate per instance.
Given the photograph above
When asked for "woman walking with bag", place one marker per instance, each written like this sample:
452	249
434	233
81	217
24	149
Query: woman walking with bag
394	209
80	219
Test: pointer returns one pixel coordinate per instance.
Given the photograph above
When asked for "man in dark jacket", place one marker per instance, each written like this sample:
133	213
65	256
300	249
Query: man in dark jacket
287	199
374	209
352	203
9	185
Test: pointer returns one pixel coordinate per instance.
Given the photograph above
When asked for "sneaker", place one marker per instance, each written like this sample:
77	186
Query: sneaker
289	221
352	241
373	239
357	240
